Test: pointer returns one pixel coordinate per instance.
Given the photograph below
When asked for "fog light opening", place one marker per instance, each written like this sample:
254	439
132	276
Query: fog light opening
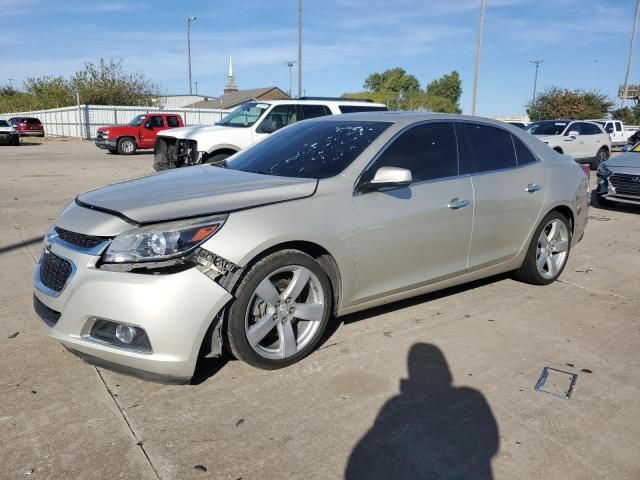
125	333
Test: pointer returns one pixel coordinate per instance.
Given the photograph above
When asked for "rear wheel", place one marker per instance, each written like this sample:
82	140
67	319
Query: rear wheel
281	310
126	146
601	156
548	252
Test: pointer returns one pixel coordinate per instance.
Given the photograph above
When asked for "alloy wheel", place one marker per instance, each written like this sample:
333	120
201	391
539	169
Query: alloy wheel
127	146
285	312
552	250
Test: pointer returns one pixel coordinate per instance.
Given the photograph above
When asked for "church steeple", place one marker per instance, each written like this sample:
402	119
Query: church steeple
231	80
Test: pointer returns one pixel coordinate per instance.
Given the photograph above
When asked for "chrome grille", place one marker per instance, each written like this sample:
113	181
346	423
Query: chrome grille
54	271
626	184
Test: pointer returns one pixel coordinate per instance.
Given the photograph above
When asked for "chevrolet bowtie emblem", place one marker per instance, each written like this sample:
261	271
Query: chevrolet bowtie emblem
636	179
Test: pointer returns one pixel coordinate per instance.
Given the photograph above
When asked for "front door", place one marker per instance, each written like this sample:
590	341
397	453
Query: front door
409	236
149	129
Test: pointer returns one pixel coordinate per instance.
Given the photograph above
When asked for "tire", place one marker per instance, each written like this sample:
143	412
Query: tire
16	141
601	156
263	317
217	159
126	146
113	152
539	251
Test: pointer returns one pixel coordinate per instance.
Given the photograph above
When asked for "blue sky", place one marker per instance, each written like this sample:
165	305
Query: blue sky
583	42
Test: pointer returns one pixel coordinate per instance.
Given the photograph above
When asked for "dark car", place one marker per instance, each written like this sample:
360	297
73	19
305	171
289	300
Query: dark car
27	126
8	134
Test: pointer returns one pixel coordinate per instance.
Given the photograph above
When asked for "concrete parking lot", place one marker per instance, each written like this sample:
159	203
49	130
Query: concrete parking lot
441	378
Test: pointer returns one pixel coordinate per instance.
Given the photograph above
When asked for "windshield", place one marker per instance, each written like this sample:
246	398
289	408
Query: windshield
547	127
245	115
4	123
137	120
310	149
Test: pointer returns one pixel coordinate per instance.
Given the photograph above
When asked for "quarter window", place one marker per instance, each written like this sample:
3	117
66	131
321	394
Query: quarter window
523	154
487	148
428	150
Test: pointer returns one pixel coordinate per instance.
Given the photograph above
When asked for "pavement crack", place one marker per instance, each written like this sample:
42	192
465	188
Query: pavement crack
597	292
139	441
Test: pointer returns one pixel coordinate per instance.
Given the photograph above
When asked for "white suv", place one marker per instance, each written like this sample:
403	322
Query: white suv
585	141
246	125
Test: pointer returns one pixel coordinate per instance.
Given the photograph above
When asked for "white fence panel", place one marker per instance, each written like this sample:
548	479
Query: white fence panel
84	120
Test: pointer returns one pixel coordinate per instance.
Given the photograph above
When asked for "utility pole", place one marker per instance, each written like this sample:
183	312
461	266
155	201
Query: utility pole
478	46
290	64
300	48
189	20
537	63
196	87
625	88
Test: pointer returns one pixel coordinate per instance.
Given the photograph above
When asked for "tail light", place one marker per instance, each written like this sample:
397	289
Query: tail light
586	169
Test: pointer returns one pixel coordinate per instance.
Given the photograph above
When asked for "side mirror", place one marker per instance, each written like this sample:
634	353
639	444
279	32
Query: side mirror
574	133
268	126
386	177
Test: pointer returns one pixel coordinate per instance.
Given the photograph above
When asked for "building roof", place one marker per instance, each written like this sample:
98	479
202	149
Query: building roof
232	99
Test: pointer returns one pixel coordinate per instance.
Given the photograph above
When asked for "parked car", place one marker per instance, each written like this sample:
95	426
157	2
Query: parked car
618	179
8	134
521	125
584	141
326	217
618	133
27	126
140	133
248	124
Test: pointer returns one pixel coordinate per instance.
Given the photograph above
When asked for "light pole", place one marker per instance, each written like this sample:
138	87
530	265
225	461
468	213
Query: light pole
537	63
625	88
299	48
196	83
290	64
478	46
189	20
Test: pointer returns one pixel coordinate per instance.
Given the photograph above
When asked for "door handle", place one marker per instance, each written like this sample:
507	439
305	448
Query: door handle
457	203
533	187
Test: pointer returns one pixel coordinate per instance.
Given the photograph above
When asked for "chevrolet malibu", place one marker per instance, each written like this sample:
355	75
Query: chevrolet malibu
324	218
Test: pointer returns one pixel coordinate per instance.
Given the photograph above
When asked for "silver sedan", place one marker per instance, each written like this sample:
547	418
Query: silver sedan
324	218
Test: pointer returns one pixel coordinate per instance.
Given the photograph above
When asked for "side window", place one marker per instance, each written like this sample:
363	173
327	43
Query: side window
574	127
588	129
523	154
618	126
608	127
314	111
428	150
281	116
172	121
488	148
154	122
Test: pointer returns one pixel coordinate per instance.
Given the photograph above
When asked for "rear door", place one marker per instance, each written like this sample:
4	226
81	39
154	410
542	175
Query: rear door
407	237
509	185
150	128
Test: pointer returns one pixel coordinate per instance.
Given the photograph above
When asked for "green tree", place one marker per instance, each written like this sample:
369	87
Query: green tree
626	115
106	83
48	92
556	102
448	87
393	86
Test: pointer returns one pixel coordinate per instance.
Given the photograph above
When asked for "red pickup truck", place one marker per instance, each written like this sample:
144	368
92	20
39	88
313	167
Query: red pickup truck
139	133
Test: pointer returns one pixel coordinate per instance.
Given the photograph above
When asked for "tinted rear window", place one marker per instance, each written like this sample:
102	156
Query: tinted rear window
311	149
314	111
361	108
172	121
32	121
489	148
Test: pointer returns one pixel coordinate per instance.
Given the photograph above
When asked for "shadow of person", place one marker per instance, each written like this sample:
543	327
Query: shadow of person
432	430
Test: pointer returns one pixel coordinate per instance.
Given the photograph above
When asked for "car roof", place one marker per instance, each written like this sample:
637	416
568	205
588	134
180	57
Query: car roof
321	102
408	118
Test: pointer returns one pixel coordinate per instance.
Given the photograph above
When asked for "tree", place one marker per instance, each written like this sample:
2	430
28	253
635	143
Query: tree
401	91
570	104
48	92
447	87
626	115
106	83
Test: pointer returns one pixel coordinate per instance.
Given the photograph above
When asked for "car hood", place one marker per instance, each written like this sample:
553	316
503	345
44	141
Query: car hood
195	131
115	127
627	160
193	191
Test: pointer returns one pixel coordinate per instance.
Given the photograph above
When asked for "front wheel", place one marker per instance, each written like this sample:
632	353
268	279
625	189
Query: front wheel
126	146
282	308
548	251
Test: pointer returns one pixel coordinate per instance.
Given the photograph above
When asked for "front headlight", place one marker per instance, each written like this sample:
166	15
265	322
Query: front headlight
603	171
162	241
105	133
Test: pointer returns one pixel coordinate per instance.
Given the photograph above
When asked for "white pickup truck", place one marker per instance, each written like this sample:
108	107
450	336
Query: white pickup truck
616	130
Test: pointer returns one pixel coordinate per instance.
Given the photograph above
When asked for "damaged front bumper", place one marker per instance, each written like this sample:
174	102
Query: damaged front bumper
171	152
